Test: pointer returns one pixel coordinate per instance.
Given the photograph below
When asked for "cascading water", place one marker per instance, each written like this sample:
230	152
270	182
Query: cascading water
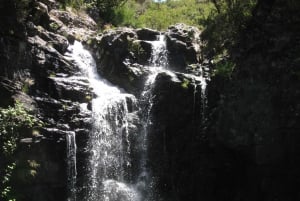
159	53
108	144
158	63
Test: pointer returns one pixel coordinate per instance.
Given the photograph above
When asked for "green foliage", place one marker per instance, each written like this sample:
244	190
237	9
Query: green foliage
146	13
105	8
224	24
6	189
127	15
224	69
161	15
76	4
13	122
185	83
136	48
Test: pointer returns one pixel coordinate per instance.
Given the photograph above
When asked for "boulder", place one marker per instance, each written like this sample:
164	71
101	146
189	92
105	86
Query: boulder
183	44
147	34
120	57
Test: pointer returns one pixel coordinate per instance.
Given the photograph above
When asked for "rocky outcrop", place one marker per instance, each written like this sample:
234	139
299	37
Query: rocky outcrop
121	55
73	26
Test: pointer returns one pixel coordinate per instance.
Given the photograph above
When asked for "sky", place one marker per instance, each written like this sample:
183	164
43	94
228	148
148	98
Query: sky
159	0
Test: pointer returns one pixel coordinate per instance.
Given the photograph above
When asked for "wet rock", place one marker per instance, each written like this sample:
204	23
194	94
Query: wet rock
72	88
60	43
47	60
118	55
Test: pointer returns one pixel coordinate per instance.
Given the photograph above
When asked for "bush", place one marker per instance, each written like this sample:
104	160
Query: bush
13	122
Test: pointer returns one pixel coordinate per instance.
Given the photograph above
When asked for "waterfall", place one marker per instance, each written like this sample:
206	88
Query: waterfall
159	52
72	171
109	165
108	143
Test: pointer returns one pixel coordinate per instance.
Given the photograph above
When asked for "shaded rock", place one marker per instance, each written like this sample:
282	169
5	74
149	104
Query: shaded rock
40	14
147	34
177	143
183	44
7	89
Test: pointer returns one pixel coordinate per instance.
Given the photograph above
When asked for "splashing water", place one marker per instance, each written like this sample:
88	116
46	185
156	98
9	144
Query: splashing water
159	52
72	171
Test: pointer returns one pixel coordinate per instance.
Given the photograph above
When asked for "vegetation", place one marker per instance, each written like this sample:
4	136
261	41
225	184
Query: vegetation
221	20
14	121
222	29
147	13
185	83
161	15
224	24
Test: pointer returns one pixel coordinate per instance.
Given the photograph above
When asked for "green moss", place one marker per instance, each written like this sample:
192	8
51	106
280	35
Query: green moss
185	83
54	26
88	98
224	68
136	48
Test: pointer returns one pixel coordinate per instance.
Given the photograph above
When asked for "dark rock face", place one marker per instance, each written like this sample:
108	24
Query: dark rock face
35	72
257	118
179	154
147	34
